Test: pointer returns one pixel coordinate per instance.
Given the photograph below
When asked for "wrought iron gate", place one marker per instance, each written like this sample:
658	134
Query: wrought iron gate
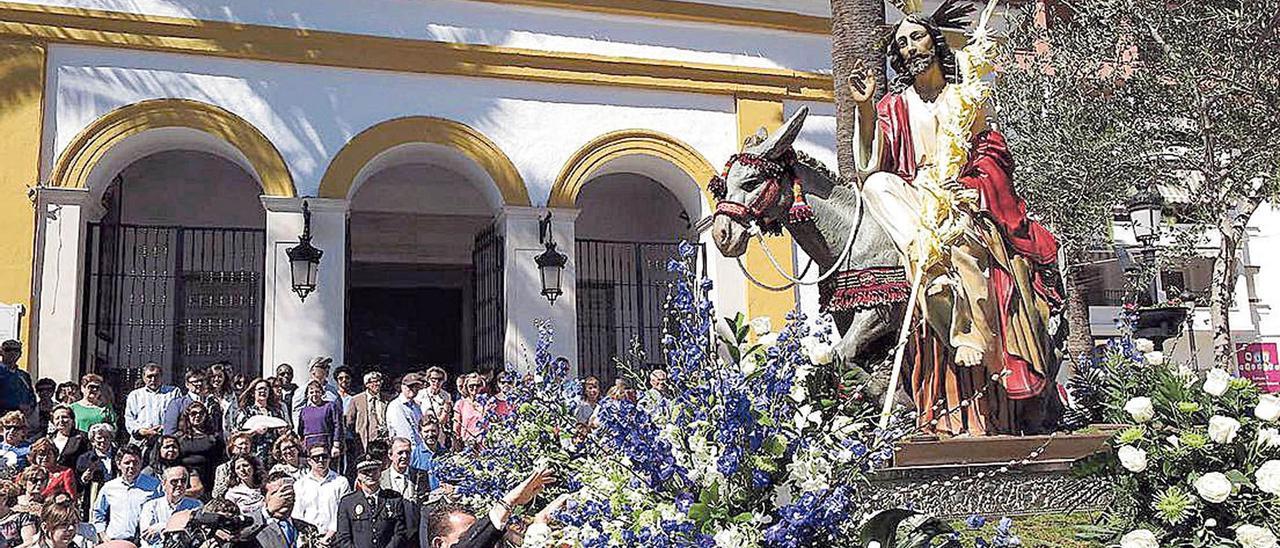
176	296
621	287
490	313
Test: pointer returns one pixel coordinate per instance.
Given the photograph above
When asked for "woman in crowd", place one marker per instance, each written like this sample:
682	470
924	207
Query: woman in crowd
467	412
286	455
167	452
68	442
11	521
433	398
200	444
506	382
68	393
321	421
590	398
31	483
223	390
61	478
258	399
92	408
246	484
241	443
13	444
97	465
59	524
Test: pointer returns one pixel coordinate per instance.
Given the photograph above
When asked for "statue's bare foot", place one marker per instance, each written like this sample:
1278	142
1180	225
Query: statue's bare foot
968	356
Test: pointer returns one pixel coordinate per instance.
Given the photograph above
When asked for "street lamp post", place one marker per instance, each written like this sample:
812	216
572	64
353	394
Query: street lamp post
304	259
1146	213
550	262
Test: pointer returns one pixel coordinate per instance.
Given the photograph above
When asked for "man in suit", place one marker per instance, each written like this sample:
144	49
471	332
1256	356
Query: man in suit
370	516
367	414
275	524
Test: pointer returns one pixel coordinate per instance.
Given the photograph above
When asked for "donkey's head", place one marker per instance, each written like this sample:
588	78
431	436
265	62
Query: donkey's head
756	188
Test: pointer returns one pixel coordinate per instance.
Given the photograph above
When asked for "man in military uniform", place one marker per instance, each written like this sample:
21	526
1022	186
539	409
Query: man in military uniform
370	516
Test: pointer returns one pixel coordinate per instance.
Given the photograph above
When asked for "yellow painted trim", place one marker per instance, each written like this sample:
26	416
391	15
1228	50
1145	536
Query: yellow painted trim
752	115
689	11
384	136
265	43
22	69
94	141
587	161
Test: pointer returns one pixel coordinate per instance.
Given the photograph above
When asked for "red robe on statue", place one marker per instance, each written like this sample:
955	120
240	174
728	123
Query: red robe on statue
990	172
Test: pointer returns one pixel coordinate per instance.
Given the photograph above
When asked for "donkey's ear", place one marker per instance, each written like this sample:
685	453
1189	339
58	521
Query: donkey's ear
782	139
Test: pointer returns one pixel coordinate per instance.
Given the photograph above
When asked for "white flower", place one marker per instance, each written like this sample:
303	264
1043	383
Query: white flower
798	392
761	325
1268	438
782	495
1139	538
1144	345
1132	458
807	416
1223	429
731	537
1174	441
768	339
1217	381
1252	536
1140	409
1268	408
1154	358
537	535
1213	487
748	364
821	353
1268	477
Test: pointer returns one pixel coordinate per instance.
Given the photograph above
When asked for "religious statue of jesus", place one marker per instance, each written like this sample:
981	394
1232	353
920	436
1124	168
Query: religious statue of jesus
983	357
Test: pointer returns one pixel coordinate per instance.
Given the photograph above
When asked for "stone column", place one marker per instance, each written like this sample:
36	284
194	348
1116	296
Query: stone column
525	304
61	215
294	330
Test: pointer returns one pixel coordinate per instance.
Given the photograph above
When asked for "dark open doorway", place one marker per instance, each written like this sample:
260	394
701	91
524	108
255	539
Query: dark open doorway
396	329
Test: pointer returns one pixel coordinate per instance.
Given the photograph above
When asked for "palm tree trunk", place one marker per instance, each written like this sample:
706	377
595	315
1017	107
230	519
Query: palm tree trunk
856	27
1079	331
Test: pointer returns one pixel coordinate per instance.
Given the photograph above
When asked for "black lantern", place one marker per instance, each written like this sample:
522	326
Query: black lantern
550	262
304	259
1146	213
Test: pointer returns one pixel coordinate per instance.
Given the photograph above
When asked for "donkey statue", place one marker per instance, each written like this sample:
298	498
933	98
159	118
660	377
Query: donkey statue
868	290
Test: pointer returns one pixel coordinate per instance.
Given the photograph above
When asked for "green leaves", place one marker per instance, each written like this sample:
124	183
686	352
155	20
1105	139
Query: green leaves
900	528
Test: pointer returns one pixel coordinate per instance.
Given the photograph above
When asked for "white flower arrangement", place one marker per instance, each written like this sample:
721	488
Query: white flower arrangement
1132	458
1268	408
761	326
1222	430
1267	477
1140	408
1252	536
1154	357
1144	345
1139	538
1216	382
1214	487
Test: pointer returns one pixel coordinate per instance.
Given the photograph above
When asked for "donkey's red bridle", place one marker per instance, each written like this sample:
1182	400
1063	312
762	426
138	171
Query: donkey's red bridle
776	174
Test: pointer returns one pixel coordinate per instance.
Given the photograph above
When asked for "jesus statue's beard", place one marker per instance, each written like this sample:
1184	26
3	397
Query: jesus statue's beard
917	65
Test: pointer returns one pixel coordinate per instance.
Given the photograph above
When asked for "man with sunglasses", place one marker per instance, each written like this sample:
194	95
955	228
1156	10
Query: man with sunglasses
144	408
318	492
16	392
197	391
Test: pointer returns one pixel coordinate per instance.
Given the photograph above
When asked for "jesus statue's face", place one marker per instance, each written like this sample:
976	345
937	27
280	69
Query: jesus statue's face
915	46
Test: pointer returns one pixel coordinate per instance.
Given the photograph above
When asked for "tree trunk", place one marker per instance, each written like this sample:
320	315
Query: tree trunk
1221	294
1079	331
856	31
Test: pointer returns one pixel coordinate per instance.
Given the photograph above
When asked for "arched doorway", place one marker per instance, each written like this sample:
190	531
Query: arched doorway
422	262
174	269
628	230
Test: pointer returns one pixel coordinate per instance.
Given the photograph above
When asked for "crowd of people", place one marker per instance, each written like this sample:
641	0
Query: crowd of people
226	460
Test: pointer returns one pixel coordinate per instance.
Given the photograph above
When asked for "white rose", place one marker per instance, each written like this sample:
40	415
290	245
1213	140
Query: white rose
1217	381
798	392
1269	438
1132	458
1140	409
821	354
768	339
1144	345
1252	536
747	365
761	325
1139	538
1155	358
1223	429
1268	408
1268	477
1213	487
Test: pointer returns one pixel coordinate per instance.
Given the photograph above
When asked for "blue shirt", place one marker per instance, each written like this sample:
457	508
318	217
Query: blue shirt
15	389
145	409
15	456
118	510
423	459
